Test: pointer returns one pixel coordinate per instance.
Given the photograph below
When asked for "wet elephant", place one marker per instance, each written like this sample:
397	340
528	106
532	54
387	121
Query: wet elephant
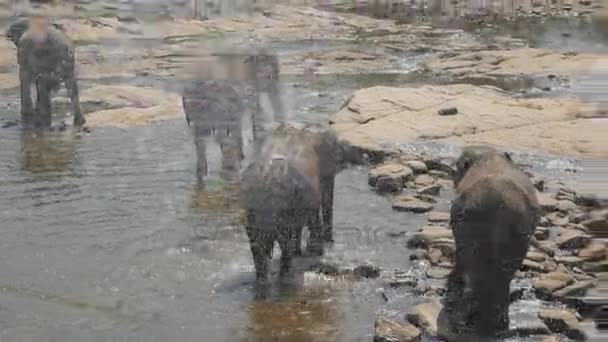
226	85
215	109
492	218
283	190
46	57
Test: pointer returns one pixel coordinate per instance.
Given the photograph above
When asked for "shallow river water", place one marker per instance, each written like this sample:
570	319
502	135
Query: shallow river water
105	237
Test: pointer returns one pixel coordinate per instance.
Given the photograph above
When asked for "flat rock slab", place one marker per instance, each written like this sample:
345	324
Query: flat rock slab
377	119
411	204
424	316
386	330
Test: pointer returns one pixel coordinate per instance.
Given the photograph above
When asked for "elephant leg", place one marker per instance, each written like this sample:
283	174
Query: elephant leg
72	86
201	158
257	118
316	239
278	111
43	102
327	208
287	240
231	154
27	110
261	247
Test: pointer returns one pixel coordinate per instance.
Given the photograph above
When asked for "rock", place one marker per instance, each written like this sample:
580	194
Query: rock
432	190
551	282
438	273
585	2
435	256
529	265
424	316
440	175
411	204
386	330
424	180
596	267
539	184
549	338
536	256
541	233
563	322
426	198
548	247
570	261
446	246
566	194
572	239
326	269
549	265
367	271
420	254
389	177
441	165
426	235
438	217
593	252
448	111
417	166
598	223
546	201
578	289
566	206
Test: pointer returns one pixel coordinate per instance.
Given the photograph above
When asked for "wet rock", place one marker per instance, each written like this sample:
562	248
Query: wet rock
572	239
551	282
437	273
557	219
426	198
426	235
539	184
597	224
546	201
596	267
564	322
432	190
411	204
548	247
424	180
593	252
532	266
386	330
389	177
446	246
326	269
417	166
536	256
569	261
441	165
541	233
438	217
435	256
367	271
544	222
424	316
549	265
516	295
578	289
566	206
448	111
566	194
441	175
420	254
549	338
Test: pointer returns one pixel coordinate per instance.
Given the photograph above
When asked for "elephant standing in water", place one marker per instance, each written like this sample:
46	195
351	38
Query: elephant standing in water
492	218
45	56
226	86
284	189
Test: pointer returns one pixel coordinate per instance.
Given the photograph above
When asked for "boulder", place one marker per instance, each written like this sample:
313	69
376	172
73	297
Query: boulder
547	284
578	289
441	165
424	316
546	201
417	166
566	206
438	217
389	177
386	330
424	180
572	239
432	190
569	261
563	322
593	252
411	204
427	235
367	271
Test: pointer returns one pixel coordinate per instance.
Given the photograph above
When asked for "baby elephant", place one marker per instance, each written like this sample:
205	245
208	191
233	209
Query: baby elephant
283	190
492	218
46	56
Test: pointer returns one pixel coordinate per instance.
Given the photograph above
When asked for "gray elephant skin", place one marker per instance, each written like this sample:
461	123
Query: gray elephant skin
225	86
492	218
46	57
287	186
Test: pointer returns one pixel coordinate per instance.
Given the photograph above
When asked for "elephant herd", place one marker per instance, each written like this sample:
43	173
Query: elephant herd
289	182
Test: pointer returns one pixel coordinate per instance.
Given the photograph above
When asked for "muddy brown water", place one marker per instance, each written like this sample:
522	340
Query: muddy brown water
105	237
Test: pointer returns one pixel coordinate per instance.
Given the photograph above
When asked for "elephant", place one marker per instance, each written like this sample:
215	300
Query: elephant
45	55
287	187
215	102
493	217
